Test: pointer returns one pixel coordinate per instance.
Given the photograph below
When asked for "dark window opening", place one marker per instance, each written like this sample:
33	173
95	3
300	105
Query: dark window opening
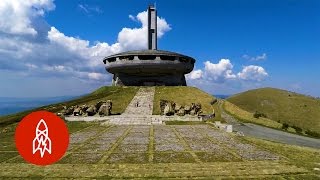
126	57
170	58
182	59
147	57
113	59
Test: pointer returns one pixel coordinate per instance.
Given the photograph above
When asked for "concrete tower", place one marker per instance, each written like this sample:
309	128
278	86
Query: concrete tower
152	28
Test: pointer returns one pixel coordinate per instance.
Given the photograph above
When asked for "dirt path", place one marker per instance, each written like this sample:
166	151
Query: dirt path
258	131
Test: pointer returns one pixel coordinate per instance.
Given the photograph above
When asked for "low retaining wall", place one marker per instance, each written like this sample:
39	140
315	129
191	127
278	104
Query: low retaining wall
134	119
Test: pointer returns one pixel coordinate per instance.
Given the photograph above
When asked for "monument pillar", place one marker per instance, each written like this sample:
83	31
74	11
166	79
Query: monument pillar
152	28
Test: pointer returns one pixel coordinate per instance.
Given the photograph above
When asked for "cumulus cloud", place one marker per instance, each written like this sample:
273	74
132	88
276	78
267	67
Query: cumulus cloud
16	17
219	72
222	72
253	73
195	74
30	45
135	38
256	58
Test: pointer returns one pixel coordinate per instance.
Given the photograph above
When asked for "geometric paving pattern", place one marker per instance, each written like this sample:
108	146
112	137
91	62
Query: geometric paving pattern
155	144
159	144
164	151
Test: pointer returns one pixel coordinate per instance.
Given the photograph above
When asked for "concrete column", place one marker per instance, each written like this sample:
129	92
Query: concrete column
152	28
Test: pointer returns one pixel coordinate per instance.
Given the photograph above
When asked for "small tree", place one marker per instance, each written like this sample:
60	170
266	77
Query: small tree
285	126
213	101
313	133
258	114
298	130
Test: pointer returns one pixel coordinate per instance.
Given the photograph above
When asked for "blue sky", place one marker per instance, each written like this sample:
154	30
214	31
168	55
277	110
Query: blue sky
54	48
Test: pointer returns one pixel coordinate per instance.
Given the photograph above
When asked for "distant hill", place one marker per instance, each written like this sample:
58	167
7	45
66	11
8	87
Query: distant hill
10	105
222	96
281	106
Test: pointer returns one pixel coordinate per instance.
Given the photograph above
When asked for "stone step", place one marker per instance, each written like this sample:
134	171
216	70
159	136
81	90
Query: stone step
142	102
130	118
146	119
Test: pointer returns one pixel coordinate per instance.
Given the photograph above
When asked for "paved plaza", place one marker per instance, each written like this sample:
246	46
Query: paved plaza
166	151
159	144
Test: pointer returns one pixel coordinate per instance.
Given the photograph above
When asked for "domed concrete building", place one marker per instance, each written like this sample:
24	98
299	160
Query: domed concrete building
150	67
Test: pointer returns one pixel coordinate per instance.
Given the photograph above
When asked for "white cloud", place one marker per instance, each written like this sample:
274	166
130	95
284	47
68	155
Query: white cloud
221	75
219	72
27	42
136	38
96	76
257	58
71	43
89	9
31	66
16	16
133	18
221	78
195	74
82	7
252	73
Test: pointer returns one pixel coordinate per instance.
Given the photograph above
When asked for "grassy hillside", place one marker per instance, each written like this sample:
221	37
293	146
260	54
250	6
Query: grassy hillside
184	95
281	106
248	117
121	97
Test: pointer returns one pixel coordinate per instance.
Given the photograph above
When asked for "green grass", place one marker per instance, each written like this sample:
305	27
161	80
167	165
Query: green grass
281	106
246	116
74	126
184	95
120	96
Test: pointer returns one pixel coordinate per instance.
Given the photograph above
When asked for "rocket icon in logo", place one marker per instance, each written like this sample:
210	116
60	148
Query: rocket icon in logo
42	142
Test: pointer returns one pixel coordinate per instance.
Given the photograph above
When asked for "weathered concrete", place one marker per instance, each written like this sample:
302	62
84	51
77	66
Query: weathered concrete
142	102
152	27
134	119
140	68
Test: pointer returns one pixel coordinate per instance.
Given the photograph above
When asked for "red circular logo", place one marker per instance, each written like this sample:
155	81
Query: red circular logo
42	138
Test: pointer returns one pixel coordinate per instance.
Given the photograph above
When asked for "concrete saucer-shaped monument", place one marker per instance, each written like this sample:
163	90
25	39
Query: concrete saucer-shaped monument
150	67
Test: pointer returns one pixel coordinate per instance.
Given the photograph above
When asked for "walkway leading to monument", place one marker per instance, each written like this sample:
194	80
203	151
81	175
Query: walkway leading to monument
142	102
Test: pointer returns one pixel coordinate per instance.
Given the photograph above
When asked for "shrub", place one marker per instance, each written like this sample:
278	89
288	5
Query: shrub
312	133
285	126
258	114
298	130
213	101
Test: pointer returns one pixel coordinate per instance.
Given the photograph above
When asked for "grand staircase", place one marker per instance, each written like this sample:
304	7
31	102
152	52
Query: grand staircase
142	102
